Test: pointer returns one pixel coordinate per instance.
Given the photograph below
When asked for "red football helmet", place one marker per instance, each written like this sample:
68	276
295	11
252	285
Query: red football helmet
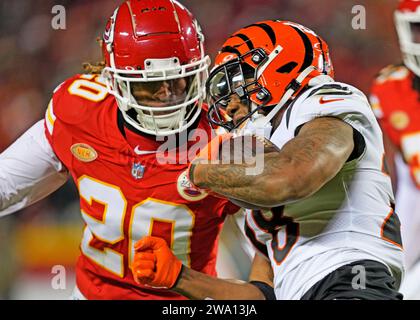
266	64
407	21
154	48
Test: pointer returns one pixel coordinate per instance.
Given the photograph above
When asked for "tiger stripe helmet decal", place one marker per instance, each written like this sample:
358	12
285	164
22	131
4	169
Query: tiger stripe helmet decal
277	58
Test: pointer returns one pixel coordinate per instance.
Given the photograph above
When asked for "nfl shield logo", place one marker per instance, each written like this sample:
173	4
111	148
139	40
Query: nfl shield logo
137	171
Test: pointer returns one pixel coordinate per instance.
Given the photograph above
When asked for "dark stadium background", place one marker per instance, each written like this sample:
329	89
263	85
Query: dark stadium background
35	58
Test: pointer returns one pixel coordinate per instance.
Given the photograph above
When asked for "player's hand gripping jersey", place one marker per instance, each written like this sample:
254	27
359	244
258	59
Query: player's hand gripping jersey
350	218
126	193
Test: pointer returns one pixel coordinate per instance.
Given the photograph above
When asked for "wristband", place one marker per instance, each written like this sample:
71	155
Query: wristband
179	277
267	290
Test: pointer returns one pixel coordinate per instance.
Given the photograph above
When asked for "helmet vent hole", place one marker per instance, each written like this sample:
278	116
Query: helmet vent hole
288	67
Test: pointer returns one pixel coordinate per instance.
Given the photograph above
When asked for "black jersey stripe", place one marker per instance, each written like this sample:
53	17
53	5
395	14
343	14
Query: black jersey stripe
391	229
261	247
331	89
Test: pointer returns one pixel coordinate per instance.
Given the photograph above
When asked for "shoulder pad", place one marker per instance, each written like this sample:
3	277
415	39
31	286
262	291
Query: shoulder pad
76	97
330	89
332	99
318	92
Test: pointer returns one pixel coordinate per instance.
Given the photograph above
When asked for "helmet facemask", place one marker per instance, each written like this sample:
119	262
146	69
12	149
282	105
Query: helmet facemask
166	97
236	78
156	65
222	86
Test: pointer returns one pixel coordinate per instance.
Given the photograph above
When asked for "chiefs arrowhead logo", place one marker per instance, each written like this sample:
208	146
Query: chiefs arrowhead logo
187	191
323	101
83	152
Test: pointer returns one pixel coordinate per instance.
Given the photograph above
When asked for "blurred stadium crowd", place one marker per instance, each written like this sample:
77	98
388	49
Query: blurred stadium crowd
35	58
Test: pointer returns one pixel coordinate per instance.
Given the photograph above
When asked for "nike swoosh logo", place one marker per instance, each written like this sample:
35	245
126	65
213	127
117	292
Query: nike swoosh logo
323	101
140	152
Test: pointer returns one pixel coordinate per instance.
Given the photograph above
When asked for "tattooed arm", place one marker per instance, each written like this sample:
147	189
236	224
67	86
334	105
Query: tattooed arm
197	285
155	265
301	168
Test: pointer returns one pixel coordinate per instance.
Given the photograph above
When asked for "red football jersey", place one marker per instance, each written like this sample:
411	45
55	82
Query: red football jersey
395	101
127	192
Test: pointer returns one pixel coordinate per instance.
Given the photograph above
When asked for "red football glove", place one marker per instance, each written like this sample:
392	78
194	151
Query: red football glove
207	154
154	263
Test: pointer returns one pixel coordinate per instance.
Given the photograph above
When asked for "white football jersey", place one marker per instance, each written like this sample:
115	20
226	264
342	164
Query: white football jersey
235	252
350	218
407	205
